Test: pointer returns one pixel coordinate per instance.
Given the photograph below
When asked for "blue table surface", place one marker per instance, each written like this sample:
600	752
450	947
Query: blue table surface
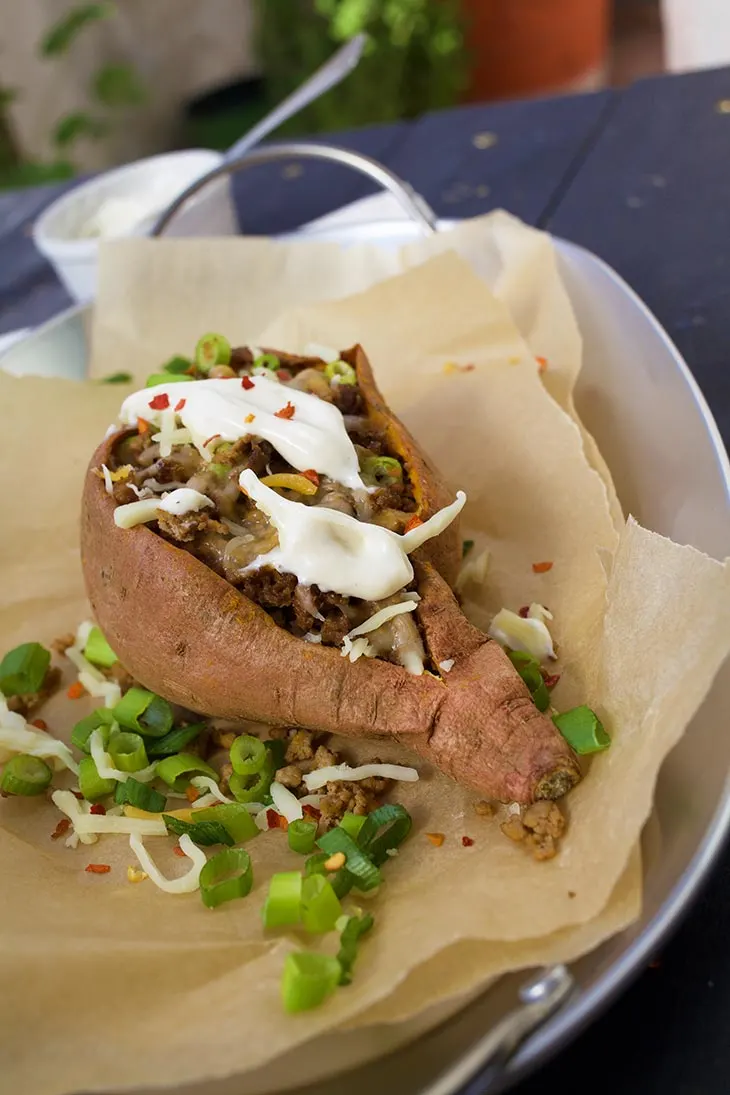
642	178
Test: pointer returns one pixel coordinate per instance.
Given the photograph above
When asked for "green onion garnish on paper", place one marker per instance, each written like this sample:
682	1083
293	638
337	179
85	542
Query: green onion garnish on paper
226	876
25	775
308	980
23	670
583	730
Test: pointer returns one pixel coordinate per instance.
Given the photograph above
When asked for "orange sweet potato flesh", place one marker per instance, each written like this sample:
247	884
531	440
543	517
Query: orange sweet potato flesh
192	637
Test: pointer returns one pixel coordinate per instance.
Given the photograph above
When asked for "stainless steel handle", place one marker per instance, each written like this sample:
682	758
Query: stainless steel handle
411	202
539	999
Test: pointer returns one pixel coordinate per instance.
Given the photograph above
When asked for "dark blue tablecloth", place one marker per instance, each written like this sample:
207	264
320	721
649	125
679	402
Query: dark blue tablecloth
642	178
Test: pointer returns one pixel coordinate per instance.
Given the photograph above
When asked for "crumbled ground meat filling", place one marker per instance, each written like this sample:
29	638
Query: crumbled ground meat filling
538	828
27	704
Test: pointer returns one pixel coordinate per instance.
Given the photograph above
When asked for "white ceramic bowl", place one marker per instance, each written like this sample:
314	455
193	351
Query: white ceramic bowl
58	232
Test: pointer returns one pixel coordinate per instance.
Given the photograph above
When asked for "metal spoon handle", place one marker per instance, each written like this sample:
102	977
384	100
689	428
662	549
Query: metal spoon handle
328	76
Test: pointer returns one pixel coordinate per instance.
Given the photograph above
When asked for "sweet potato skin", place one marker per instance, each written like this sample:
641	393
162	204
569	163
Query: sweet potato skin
187	634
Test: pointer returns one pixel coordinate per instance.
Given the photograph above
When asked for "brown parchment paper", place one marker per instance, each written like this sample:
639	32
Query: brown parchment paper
126	986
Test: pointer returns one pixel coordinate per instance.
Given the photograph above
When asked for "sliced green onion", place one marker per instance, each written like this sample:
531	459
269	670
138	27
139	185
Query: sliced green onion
277	749
466	546
395	823
174	741
583	730
233	817
128	752
355	927
252	788
220	470
93	786
116	378
212	350
144	712
25	775
177	365
177	771
321	908
283	905
379	469
82	731
344	373
23	669
316	864
308	980
97	649
366	874
248	755
302	835
267	361
352	824
528	668
140	795
226	876
154	379
204	833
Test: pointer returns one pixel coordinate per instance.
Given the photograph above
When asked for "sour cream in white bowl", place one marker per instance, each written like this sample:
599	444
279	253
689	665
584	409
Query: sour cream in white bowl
126	202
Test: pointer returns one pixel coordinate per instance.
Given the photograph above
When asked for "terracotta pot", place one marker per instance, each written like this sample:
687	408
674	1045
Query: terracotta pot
528	47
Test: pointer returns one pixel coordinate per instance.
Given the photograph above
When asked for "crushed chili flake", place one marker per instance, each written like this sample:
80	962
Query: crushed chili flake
436	839
550	679
272	819
311	811
192	794
160	402
542	568
179	405
39	724
283	375
467	841
178	851
542	364
247	383
413	522
97	808
142	425
97	868
311	475
78	795
286	412
63	827
249	418
75	691
211	438
524	612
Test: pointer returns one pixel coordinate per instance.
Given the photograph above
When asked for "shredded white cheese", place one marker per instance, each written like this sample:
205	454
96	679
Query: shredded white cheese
538	612
104	765
313	781
357	648
16	736
186	883
446	665
208	784
107	479
473	570
285	803
90	677
74	810
310	637
381	617
529	635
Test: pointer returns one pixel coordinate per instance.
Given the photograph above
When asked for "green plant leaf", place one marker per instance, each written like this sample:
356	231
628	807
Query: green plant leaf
60	36
79	124
7	95
35	174
118	85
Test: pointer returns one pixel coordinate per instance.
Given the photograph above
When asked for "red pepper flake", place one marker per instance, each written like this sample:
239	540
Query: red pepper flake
97	868
311	475
542	364
97	808
311	811
249	418
142	425
75	691
467	841
247	383
39	724
286	412
551	679
272	819
78	795
192	794
179	405
283	375
63	827
283	823
524	612
160	403
413	522
542	568
436	839
211	438
177	850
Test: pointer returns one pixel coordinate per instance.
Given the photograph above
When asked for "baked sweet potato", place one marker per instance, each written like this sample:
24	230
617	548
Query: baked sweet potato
190	635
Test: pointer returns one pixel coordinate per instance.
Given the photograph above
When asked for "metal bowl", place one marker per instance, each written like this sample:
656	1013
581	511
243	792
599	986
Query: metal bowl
638	398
